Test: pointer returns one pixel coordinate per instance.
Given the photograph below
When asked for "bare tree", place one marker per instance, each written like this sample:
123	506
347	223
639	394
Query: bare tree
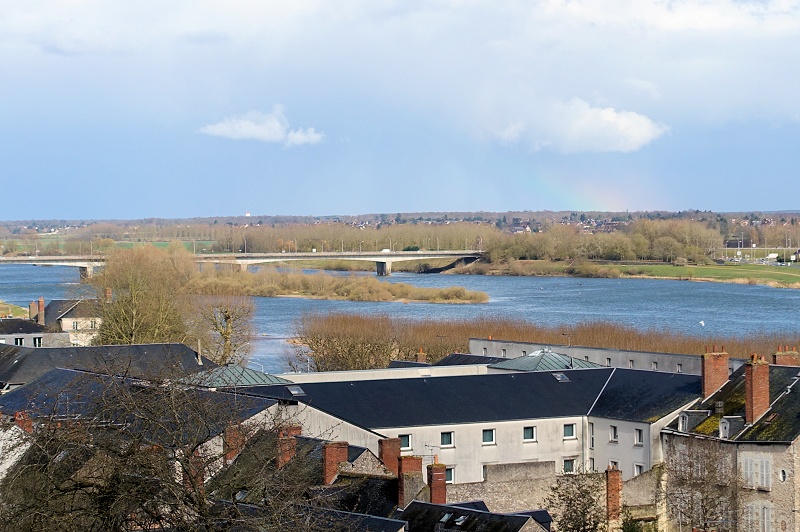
110	453
576	500
701	483
223	324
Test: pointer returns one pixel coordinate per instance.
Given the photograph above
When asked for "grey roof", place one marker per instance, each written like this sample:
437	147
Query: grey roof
232	375
544	360
376	404
73	394
19	365
20	326
426	516
466	359
395	364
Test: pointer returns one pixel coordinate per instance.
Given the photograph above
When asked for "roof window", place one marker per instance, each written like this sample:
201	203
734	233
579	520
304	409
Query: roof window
560	377
295	390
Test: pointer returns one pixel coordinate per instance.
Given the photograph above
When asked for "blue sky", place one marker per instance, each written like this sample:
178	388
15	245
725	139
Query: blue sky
211	108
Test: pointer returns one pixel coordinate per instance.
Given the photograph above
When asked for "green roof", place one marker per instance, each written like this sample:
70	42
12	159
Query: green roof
544	360
232	375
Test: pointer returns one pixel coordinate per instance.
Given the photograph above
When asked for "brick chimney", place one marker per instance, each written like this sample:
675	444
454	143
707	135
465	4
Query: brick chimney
333	453
23	421
409	478
613	494
287	444
233	441
756	388
420	357
786	356
389	453
32	310
715	370
437	483
40	314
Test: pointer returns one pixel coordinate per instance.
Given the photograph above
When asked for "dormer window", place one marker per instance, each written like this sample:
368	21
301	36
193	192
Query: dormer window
724	429
683	422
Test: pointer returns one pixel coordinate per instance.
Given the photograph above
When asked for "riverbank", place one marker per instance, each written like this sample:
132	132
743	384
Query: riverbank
737	273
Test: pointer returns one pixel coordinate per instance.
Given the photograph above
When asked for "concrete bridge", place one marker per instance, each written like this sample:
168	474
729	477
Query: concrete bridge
383	260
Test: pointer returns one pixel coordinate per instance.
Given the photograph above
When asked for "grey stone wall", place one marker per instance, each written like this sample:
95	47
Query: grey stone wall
508	487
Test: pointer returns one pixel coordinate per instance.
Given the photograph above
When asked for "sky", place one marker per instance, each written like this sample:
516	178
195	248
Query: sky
127	110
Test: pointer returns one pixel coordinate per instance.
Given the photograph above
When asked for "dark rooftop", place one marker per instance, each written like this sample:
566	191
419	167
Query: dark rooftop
465	359
426	516
19	365
20	326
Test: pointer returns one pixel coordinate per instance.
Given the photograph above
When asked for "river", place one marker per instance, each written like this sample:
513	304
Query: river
702	309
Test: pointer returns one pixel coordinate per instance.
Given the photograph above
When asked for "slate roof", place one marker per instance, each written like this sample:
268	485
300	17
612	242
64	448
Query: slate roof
19	365
376	404
781	423
20	326
232	375
465	359
73	394
396	364
645	396
75	308
426	516
544	360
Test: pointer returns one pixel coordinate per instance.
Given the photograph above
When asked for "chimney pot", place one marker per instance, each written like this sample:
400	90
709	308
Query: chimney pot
389	453
714	372
437	483
756	388
333	453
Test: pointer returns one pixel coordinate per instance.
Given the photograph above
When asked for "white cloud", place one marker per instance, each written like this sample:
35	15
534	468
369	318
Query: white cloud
582	128
272	127
511	133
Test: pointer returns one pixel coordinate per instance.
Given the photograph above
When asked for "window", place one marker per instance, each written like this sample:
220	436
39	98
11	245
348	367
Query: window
613	464
757	473
75	325
569	465
484	351
758	517
613	433
638	469
638	436
488	437
591	465
93	324
503	351
529	434
608	362
683	422
591	435
524	353
586	358
405	442
630	364
37	341
447	440
569	431
680	368
448	475
19	341
655	366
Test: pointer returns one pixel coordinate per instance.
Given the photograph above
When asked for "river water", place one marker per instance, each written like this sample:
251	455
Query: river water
680	306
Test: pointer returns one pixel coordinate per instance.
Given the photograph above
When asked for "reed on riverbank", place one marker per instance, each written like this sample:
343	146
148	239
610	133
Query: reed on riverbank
354	341
270	282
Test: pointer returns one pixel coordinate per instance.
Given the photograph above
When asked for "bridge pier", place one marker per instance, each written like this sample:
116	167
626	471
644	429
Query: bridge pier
243	267
383	268
86	271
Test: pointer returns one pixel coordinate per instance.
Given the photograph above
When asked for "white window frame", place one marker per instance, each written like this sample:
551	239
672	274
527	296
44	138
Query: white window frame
408	439
573	463
533	430
449	472
613	434
452	439
638	437
484	432
574	431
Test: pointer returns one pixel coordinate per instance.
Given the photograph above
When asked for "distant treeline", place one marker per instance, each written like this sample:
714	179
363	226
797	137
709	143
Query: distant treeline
637	239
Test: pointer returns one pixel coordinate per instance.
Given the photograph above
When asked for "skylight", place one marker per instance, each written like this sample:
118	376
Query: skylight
560	377
295	390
